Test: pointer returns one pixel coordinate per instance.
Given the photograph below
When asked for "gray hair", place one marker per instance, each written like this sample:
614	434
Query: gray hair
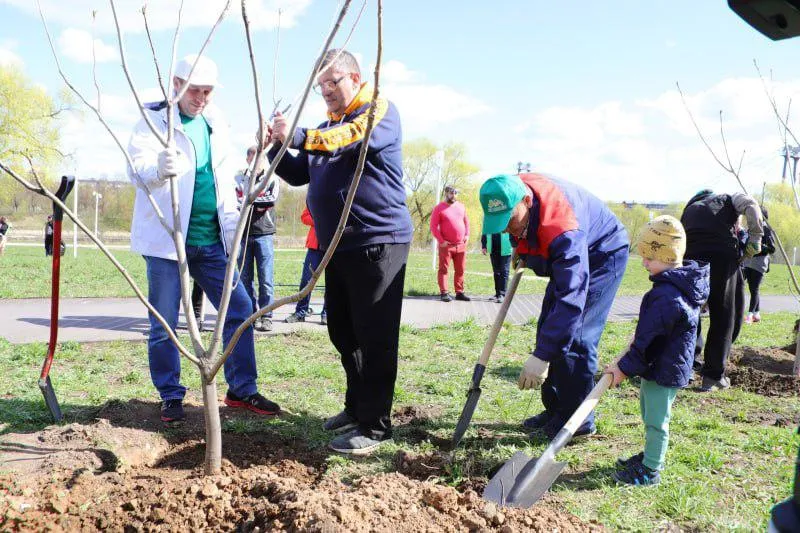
339	59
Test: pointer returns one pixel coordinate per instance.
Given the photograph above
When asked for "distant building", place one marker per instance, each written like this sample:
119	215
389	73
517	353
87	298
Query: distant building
647	205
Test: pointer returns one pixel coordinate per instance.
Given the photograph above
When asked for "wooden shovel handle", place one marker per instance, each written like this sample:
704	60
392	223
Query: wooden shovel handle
588	404
500	318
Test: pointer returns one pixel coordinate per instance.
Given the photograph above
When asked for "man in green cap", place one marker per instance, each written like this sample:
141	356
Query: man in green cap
565	233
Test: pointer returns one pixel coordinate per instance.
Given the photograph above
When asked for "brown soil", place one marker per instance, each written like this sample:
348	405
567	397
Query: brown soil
121	472
765	371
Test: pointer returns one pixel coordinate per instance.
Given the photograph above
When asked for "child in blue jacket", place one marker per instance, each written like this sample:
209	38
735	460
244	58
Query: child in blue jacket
662	350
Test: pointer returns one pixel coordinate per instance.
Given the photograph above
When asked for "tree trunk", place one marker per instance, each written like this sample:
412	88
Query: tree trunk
796	369
213	427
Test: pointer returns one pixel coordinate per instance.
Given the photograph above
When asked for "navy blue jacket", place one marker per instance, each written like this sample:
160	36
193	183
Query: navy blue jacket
663	347
327	161
570	237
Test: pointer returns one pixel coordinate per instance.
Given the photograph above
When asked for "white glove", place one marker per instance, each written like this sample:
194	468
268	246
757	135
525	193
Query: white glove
170	164
533	373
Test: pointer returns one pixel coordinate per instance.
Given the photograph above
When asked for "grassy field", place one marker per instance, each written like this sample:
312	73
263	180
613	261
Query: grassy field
727	464
26	274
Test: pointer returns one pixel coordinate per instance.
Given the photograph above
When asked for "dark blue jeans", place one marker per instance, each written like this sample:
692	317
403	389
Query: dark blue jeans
310	264
571	378
500	265
207	268
258	250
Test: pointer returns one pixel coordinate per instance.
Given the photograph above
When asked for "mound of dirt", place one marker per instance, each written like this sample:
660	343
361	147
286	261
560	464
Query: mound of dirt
764	371
106	475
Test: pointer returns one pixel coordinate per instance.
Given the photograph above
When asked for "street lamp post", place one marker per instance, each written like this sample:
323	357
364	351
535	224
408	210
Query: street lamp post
97	197
75	223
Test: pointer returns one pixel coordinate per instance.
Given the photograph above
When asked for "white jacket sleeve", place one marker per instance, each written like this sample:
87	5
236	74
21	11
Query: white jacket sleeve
143	148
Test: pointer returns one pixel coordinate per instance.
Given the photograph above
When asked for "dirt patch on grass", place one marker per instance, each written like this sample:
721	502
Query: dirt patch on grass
764	371
267	483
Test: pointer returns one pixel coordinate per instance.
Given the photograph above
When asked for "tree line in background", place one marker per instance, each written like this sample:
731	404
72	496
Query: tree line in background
30	123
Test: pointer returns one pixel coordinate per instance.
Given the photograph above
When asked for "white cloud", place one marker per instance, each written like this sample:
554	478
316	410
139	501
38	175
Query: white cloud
648	150
77	45
8	55
263	14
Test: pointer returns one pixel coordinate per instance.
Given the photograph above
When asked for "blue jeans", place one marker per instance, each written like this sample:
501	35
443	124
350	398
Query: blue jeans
207	268
258	249
310	264
571	378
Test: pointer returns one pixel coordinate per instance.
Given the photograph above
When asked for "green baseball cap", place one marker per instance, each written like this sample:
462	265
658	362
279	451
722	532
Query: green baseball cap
499	196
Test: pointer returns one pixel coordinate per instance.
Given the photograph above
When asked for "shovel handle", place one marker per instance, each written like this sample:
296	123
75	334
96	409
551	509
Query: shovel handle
500	318
588	404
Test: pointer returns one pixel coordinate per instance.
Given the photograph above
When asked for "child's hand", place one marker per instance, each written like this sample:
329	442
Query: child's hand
614	370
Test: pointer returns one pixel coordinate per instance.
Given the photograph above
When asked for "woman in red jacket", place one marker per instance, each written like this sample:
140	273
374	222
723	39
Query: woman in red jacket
312	261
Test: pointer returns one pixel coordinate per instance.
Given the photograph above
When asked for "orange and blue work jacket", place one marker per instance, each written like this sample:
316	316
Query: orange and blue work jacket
327	161
571	234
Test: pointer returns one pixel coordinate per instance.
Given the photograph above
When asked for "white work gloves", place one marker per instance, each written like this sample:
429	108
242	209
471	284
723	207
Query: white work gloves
533	373
170	164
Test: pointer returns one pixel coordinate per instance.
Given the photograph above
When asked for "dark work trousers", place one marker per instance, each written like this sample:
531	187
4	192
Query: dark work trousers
725	310
364	297
754	278
197	302
570	378
500	264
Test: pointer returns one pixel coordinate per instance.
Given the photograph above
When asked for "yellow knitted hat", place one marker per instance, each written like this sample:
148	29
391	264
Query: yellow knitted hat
663	239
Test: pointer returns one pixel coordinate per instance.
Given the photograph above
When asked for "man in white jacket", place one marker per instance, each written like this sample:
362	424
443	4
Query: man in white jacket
201	162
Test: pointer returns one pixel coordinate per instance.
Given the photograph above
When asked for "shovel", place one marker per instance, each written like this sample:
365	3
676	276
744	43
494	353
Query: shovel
474	392
45	385
522	480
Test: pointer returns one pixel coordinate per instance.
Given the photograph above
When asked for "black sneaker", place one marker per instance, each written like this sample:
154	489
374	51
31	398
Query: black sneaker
446	297
172	411
323	319
355	443
537	421
637	474
266	323
638	458
294	317
551	429
254	402
340	423
462	297
710	384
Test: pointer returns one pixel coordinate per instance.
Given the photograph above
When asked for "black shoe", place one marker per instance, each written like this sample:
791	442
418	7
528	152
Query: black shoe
711	384
172	411
463	297
254	402
266	323
323	319
340	423
537	421
637	474
551	429
638	458
446	297
294	317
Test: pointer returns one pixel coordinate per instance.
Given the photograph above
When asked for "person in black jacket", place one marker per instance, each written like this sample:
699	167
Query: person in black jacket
709	220
258	245
48	236
663	346
499	248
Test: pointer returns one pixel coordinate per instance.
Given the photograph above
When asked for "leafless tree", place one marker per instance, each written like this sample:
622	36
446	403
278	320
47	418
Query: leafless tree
209	359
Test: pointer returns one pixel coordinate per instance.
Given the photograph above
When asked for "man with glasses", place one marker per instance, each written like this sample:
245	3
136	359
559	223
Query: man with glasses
450	228
568	235
364	279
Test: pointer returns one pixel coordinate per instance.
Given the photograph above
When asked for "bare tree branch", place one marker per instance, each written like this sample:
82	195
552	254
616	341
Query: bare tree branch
274	58
784	123
153	52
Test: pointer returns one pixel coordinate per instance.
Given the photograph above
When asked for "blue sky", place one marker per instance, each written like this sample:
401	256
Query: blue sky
584	90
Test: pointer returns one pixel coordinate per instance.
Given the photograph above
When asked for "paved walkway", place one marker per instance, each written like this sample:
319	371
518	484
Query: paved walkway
105	319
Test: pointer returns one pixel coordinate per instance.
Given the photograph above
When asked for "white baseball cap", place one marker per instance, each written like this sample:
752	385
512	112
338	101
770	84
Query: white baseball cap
205	73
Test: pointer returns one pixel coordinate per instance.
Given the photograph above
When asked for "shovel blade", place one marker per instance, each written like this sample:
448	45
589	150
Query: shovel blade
466	415
522	481
46	386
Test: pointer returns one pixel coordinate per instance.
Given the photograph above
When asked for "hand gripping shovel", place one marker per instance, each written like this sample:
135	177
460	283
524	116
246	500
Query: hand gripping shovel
67	182
522	480
474	392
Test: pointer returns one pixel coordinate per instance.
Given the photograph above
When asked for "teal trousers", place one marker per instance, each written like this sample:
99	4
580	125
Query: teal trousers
656	405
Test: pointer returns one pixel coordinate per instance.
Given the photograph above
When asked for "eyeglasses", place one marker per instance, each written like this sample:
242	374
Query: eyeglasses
328	85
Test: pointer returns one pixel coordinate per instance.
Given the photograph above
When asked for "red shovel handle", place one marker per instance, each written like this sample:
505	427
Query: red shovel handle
67	182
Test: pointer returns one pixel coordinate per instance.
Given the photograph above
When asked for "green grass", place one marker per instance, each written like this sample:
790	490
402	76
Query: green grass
26	274
724	471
